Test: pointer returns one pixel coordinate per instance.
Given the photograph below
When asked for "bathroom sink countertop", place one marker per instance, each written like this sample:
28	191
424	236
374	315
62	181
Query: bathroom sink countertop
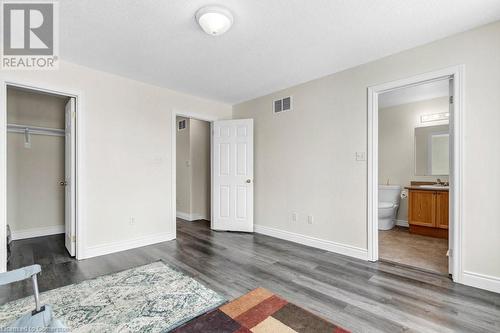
428	188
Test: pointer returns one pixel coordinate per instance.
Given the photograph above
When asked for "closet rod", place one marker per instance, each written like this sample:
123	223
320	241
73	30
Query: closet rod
15	128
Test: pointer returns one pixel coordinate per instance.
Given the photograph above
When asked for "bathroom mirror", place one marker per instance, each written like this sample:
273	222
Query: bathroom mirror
432	150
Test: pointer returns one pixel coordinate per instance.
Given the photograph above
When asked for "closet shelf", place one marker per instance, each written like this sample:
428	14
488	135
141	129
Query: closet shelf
26	129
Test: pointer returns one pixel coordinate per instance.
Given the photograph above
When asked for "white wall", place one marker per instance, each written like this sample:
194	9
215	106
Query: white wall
193	170
35	200
200	165
305	159
126	157
396	145
35	109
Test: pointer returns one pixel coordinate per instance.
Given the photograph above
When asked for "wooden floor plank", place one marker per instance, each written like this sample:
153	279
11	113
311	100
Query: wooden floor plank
358	295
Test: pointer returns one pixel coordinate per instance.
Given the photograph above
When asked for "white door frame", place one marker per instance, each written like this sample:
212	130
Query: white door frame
456	176
3	161
191	115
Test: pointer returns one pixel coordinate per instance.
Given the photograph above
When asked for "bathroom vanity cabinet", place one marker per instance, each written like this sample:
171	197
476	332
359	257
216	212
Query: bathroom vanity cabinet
428	211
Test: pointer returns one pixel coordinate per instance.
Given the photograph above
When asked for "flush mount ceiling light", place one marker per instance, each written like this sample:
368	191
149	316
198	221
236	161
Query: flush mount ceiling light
214	20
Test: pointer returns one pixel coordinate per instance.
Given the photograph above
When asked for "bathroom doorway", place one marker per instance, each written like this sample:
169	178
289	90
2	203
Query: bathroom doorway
414	172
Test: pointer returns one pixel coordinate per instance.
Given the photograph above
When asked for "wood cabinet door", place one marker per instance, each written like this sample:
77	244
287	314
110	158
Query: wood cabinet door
422	208
442	210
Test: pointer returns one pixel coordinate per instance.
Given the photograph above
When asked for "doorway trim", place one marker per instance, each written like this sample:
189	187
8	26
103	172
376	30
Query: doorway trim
191	115
79	166
457	73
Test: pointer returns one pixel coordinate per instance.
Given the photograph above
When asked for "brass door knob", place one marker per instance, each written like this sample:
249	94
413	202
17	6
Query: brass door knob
249	181
63	183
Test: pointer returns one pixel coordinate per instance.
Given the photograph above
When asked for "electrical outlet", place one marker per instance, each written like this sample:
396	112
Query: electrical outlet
310	219
132	220
295	217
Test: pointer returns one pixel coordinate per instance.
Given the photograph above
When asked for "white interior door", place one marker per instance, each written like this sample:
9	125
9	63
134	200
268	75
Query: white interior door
232	175
69	170
451	215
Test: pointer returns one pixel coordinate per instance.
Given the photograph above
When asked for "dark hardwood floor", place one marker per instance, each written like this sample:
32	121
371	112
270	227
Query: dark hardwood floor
358	295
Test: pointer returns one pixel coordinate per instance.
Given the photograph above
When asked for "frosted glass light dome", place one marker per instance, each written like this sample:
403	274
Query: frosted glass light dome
214	20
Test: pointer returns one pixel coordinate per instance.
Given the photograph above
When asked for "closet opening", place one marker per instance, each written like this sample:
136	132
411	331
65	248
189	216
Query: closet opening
41	177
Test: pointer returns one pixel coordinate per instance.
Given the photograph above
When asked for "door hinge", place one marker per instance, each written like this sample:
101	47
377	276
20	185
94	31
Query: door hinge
451	99
73	114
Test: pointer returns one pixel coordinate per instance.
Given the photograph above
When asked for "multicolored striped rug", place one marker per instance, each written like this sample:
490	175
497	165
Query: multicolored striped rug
259	311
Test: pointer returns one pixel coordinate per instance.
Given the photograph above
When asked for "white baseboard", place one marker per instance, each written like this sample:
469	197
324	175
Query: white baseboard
488	282
100	250
191	217
37	232
347	250
184	216
196	217
402	223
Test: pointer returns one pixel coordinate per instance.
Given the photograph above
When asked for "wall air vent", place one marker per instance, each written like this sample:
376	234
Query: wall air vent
282	105
181	125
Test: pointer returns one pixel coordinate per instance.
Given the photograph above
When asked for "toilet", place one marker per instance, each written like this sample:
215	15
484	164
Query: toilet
388	204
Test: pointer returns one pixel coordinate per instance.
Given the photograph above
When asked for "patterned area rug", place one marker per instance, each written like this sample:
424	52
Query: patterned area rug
259	311
150	298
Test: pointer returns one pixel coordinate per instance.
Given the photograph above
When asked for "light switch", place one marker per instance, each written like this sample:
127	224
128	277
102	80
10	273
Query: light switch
360	156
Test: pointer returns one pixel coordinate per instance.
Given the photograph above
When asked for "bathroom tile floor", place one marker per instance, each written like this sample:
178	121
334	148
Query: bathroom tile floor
427	253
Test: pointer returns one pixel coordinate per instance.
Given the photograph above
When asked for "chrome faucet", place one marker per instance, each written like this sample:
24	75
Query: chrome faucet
441	183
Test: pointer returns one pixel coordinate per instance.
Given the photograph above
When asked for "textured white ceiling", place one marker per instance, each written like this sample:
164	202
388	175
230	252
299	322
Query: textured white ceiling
273	44
417	93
